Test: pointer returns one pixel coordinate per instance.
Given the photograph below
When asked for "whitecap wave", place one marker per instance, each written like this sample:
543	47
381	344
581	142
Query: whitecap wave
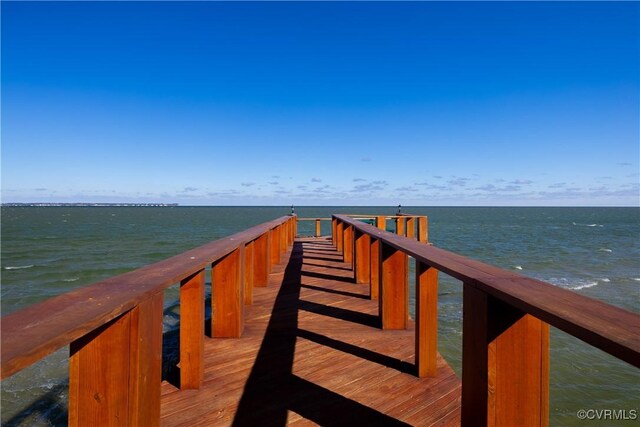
606	250
637	279
573	284
517	267
18	267
71	279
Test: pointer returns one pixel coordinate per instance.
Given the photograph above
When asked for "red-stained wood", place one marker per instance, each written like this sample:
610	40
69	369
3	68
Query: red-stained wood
227	319
34	332
426	320
334	232
609	328
505	364
348	244
308	357
275	246
145	364
261	260
394	288
115	371
423	229
475	357
381	222
248	273
340	236
317	228
374	271
410	231
362	258
400	226
192	331
99	375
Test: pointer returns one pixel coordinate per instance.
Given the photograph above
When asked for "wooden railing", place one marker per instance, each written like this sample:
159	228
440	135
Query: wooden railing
506	318
405	225
114	327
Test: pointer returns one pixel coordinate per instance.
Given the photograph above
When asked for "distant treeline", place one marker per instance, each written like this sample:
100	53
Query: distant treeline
90	204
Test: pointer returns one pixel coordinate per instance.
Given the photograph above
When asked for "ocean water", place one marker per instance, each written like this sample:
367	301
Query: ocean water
47	251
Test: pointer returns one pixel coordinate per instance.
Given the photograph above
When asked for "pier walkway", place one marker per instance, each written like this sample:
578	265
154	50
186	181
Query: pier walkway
311	331
312	352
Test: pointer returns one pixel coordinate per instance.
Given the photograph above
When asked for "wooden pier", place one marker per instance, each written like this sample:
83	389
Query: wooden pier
312	331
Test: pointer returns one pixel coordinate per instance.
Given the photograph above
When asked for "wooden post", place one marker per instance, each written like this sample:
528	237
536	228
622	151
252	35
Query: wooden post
115	371
261	254
334	233
426	319
362	258
248	273
275	246
348	245
505	364
340	236
227	320
394	288
423	229
284	239
400	226
317	227
410	232
374	271
374	254
192	331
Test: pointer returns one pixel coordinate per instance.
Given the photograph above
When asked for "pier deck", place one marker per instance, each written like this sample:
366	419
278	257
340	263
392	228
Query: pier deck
312	352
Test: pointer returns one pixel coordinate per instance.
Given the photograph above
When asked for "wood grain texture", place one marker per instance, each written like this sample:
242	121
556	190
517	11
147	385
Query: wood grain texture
313	354
426	320
362	258
227	319
394	288
609	328
34	332
192	331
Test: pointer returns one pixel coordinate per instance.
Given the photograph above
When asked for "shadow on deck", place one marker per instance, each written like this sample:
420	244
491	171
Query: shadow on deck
313	353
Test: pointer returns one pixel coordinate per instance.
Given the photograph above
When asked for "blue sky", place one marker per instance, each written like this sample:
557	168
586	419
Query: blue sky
325	103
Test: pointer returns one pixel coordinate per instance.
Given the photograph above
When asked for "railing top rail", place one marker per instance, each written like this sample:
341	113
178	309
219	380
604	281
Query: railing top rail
35	331
609	328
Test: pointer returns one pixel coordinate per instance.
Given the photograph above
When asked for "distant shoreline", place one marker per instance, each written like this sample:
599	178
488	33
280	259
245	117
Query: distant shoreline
90	204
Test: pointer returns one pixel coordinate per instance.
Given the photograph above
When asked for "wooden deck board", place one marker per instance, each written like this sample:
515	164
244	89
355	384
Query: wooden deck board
312	353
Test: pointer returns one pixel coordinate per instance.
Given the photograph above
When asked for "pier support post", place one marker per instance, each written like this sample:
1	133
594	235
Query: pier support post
410	232
340	236
192	331
394	288
426	320
334	232
248	272
317	227
261	263
275	247
400	226
505	364
348	245
374	271
115	371
227	299
362	258
423	229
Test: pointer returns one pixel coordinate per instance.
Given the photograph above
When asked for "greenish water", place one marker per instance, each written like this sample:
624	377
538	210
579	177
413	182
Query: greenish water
592	251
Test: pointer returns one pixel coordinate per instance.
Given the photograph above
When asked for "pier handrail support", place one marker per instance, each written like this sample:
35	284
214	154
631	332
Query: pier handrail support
114	327
506	318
